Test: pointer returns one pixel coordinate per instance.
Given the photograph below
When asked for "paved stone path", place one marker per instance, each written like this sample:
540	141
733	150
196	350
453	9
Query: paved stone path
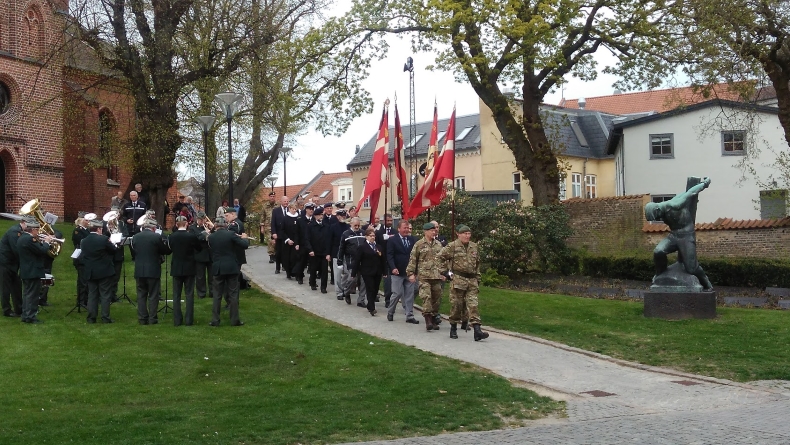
646	404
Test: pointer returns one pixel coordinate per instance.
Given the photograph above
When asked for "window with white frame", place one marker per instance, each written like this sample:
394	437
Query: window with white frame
661	198
590	186
366	204
661	146
563	192
345	193
460	183
465	132
576	185
517	181
733	143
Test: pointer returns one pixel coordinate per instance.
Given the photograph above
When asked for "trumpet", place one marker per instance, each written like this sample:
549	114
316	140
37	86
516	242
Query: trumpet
248	237
208	225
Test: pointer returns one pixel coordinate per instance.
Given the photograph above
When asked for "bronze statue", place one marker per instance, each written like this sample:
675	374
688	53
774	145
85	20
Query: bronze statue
679	213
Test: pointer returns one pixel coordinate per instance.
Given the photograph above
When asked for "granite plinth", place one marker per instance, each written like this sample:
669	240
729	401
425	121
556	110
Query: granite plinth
680	305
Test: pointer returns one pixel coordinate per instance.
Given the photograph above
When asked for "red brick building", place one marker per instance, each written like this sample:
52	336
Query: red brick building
64	120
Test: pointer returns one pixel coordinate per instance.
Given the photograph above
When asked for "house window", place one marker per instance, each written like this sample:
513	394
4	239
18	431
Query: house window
576	185
773	204
590	187
661	146
464	133
324	193
415	140
107	145
517	181
366	204
563	192
5	98
661	198
460	183
345	193
732	143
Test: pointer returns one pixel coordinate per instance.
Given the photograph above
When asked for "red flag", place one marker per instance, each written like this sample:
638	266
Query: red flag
400	170
431	192
377	174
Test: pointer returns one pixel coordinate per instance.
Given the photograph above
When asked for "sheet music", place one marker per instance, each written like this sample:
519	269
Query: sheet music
76	253
48	276
116	238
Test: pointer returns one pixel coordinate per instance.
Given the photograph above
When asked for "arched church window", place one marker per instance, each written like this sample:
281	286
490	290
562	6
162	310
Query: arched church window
5	98
33	34
107	144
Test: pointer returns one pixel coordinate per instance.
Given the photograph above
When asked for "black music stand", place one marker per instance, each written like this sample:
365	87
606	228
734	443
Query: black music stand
167	306
124	295
77	307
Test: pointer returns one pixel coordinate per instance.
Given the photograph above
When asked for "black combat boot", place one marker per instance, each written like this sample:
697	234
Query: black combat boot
437	319
453	330
465	325
271	259
479	334
428	322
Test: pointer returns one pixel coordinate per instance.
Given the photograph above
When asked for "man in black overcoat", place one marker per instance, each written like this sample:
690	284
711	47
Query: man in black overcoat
149	247
183	244
97	254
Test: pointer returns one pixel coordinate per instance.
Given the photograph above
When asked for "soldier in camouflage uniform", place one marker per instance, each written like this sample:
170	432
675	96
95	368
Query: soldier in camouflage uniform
425	265
266	225
463	262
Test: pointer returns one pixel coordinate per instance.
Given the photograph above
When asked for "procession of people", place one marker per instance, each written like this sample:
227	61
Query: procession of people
303	240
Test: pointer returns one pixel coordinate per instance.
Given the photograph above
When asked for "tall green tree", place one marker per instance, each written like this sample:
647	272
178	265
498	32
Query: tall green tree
534	45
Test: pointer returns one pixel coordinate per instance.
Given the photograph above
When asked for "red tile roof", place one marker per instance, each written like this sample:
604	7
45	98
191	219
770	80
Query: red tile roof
606	198
322	183
654	100
726	224
291	191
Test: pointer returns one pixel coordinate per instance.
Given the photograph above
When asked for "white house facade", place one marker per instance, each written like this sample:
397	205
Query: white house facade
734	144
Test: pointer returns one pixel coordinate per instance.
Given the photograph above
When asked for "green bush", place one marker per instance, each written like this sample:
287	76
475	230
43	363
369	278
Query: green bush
492	279
737	272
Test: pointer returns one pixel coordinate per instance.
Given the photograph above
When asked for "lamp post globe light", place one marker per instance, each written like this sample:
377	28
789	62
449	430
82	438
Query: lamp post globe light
285	151
229	102
272	180
205	122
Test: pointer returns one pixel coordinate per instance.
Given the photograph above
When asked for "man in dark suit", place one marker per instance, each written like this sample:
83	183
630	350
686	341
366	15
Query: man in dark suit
226	270
133	210
237	227
203	281
398	251
11	291
51	219
241	212
336	235
317	248
80	232
32	252
96	256
184	244
148	270
383	233
278	217
118	256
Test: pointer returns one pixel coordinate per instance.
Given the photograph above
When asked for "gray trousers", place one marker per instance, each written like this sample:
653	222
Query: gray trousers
100	291
226	285
338	278
204	281
403	289
349	283
187	283
148	293
30	293
116	280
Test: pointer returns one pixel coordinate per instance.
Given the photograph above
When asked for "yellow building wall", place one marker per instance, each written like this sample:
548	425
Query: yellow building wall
499	164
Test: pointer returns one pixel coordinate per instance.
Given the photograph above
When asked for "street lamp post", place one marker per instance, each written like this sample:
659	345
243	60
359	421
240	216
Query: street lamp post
272	180
229	102
285	151
205	123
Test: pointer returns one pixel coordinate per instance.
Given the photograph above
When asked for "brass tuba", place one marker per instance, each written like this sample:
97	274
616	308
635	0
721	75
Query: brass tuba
32	208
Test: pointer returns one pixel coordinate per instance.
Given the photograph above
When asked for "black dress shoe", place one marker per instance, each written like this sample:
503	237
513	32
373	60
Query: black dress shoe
241	323
437	319
142	322
32	321
389	317
412	321
10	314
153	321
339	297
313	287
107	320
271	259
372	313
44	303
323	291
288	276
347	298
362	305
300	281
211	323
277	271
387	302
91	321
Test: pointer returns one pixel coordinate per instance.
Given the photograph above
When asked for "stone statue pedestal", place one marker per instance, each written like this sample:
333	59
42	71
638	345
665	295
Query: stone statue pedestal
680	305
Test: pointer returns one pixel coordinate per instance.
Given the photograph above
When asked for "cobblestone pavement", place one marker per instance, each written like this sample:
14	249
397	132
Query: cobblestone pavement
635	404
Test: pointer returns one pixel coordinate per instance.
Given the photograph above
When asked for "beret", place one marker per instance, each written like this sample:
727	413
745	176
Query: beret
272	194
230	209
462	228
428	226
201	214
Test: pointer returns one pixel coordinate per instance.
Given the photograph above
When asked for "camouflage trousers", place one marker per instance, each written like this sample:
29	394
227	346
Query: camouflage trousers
266	237
463	298
431	294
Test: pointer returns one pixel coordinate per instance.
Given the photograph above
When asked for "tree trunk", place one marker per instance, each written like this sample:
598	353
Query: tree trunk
781	82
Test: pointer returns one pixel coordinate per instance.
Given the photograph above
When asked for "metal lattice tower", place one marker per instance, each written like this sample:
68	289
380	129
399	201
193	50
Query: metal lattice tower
409	66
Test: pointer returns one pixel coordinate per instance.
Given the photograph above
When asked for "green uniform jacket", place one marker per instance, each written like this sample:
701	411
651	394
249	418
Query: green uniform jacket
237	227
223	244
424	261
8	247
148	246
460	258
78	235
97	256
184	244
204	254
31	257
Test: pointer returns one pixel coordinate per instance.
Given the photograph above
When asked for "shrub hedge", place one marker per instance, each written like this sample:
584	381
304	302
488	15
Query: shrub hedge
738	272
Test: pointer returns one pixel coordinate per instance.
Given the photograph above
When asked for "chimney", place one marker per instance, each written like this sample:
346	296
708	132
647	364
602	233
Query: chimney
357	149
617	91
582	103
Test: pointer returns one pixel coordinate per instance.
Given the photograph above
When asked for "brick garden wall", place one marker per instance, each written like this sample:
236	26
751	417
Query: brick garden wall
614	226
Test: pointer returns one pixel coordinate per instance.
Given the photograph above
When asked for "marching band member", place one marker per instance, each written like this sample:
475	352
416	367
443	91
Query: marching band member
50	219
203	283
118	256
317	248
226	270
32	252
80	232
11	291
147	271
96	256
183	244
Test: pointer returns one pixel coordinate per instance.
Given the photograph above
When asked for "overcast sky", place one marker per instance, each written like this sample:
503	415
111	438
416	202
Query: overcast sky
314	152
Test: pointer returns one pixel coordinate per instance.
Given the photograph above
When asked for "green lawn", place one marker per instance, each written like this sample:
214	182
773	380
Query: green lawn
285	377
741	344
